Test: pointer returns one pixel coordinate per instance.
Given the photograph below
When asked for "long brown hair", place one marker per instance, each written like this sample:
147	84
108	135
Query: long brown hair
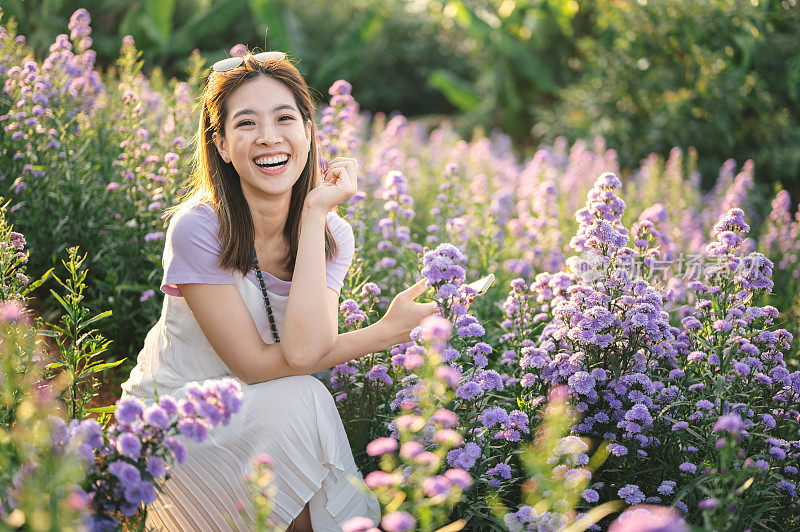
216	182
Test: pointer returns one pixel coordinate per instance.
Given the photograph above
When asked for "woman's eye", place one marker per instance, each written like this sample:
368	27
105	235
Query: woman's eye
245	123
286	117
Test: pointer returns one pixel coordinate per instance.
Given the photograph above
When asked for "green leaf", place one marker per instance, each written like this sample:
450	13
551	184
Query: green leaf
266	13
159	14
102	409
206	22
454	89
64	304
101	367
94	319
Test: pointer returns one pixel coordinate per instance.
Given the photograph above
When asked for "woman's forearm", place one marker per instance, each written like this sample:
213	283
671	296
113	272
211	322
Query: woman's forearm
271	364
355	344
307	332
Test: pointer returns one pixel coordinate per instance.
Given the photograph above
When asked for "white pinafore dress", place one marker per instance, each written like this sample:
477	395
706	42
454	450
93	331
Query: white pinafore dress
293	419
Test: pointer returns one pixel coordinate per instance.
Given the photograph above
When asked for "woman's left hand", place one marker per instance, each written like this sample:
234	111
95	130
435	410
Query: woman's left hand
340	181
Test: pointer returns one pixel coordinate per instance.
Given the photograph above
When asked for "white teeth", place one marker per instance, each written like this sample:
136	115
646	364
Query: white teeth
276	159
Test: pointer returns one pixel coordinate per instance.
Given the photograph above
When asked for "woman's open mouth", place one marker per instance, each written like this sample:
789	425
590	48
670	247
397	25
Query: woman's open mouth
273	163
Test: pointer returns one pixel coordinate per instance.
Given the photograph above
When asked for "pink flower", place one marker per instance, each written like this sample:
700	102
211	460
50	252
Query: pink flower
379	479
410	422
450	436
649	518
435	328
381	446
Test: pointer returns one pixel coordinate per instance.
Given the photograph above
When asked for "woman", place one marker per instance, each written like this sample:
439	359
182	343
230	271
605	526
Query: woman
253	264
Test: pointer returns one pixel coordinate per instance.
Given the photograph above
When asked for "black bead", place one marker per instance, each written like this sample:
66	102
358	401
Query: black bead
266	297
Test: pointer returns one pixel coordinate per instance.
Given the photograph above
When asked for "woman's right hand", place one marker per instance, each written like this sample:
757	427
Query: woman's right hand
404	313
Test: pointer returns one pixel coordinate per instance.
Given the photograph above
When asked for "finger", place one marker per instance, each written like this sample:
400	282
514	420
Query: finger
416	289
332	174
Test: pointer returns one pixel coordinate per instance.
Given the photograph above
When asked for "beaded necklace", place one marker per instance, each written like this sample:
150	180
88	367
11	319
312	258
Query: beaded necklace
266	297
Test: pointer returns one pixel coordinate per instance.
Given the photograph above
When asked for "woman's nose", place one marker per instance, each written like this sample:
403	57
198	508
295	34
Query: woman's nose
268	135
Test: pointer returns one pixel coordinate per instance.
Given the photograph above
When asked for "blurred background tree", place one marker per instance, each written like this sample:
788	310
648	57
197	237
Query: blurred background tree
720	75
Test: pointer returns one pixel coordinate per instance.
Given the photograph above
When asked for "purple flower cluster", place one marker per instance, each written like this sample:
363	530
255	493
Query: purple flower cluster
444	266
600	229
138	448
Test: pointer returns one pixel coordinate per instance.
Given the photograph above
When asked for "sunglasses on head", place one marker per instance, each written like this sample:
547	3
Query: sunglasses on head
223	65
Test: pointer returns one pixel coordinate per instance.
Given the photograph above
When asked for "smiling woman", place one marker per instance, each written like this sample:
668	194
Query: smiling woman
253	263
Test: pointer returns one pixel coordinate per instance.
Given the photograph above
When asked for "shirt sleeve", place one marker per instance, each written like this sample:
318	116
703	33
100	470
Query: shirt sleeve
336	270
192	249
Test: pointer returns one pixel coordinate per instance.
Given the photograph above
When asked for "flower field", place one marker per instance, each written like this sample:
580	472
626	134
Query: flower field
638	348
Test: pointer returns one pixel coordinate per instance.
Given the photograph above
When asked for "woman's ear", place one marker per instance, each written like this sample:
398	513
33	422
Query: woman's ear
219	142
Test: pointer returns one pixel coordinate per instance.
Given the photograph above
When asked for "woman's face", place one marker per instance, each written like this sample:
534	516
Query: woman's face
266	138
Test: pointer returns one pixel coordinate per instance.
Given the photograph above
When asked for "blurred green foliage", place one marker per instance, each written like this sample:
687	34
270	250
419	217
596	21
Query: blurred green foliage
385	48
720	75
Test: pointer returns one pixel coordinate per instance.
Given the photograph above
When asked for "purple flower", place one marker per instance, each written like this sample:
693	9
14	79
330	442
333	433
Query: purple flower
436	486
733	220
707	503
704	404
398	522
156	416
489	380
379	373
729	423
465	457
788	487
581	382
631	494
590	496
129	445
493	416
140	492
687	467
168	404
155	466
469	390
128	410
501	470
449	374
459	477
666	487
617	449
147	294
125	472
177	449
650	518
340	87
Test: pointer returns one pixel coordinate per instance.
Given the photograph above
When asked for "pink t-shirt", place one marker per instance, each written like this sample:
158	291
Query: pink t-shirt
192	249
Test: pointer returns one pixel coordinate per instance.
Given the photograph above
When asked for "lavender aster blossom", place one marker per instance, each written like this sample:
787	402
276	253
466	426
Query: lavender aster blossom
129	445
590	496
156	416
631	494
128	410
469	390
125	472
667	487
493	416
581	382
